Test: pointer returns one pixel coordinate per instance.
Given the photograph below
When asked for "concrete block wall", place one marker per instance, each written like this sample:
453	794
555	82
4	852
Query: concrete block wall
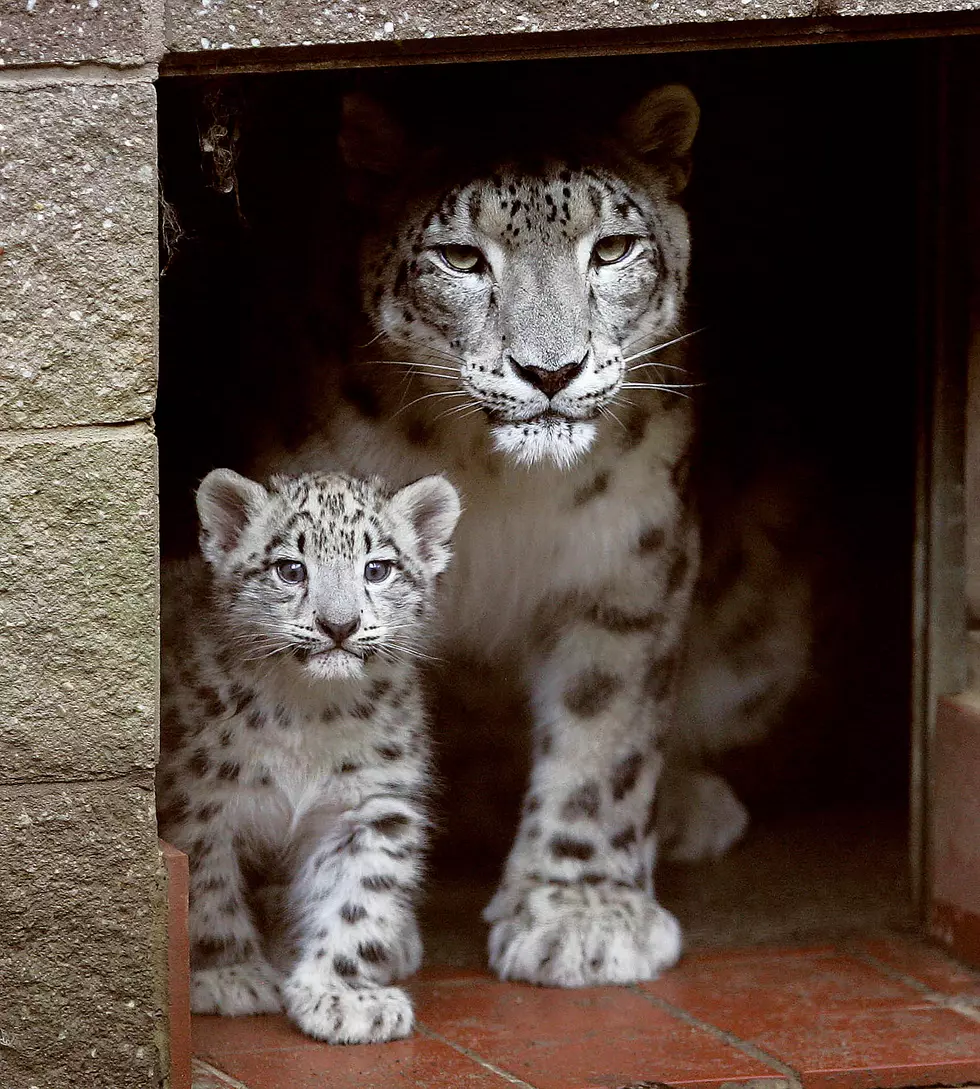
82	896
204	25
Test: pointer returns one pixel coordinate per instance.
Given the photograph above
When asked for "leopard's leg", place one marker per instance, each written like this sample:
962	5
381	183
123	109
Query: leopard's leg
576	907
699	816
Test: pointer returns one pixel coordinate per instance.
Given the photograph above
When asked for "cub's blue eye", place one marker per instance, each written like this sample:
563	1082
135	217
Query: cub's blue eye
291	571
377	570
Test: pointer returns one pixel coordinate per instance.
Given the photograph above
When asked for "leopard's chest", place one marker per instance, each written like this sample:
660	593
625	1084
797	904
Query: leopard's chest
532	539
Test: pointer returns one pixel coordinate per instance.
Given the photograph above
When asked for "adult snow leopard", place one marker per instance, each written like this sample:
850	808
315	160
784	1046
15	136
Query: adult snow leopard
527	308
295	765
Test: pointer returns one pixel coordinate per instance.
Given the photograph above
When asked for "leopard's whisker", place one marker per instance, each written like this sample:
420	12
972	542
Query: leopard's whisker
463	411
435	370
426	396
665	344
605	410
413	370
662	385
427	349
373	340
659	365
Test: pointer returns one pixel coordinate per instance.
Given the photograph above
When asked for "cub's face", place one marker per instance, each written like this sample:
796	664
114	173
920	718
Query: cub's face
324	572
523	292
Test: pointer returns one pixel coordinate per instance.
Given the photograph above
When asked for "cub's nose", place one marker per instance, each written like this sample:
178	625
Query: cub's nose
549	381
338	630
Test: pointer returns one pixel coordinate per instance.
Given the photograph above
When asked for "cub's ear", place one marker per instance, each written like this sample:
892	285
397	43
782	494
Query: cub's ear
660	130
373	146
225	504
431	507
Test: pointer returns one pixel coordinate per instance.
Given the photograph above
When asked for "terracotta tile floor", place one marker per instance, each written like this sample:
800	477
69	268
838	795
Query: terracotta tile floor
812	980
864	1013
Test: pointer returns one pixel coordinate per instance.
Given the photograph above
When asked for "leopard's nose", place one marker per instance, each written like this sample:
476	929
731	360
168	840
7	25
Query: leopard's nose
338	631
550	380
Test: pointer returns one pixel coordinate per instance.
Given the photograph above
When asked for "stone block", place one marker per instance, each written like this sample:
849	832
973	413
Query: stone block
72	31
195	25
81	938
78	268
78	603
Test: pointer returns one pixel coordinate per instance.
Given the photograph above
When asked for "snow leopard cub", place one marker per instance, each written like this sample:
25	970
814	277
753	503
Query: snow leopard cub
295	763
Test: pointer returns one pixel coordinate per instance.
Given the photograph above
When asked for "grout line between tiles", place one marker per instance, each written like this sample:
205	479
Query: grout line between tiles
226	1081
936	998
793	1076
463	1050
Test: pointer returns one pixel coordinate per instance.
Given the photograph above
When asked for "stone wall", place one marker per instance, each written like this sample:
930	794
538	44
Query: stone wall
204	25
82	1000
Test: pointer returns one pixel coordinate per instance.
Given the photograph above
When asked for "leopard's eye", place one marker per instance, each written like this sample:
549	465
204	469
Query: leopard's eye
291	571
613	249
463	258
377	570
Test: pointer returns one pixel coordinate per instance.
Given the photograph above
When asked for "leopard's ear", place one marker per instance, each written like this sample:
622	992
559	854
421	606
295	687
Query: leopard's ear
226	502
373	146
660	130
431	507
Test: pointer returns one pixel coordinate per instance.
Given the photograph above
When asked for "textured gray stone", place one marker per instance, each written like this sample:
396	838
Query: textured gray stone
78	272
193	25
78	603
81	973
53	31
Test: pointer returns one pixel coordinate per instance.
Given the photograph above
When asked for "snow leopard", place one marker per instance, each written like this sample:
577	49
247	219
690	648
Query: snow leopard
295	762
528	339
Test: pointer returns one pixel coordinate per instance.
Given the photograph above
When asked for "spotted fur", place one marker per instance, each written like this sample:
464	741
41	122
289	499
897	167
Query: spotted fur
295	764
529	336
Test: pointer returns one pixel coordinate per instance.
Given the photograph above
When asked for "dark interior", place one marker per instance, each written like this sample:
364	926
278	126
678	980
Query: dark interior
806	204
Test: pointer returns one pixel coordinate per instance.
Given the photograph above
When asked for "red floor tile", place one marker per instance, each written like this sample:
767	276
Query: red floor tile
883	1049
928	965
419	1062
838	1021
230	1035
742	991
832	1018
577	1039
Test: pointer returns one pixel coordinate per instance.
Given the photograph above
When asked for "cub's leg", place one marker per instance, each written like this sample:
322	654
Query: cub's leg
576	906
355	926
229	974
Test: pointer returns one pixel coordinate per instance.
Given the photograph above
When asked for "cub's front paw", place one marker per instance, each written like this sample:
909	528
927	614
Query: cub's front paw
235	990
580	936
344	1015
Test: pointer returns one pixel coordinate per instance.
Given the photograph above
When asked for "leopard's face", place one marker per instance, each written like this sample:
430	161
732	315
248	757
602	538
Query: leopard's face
523	293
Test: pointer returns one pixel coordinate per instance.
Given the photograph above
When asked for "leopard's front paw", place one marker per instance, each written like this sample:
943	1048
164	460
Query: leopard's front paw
406	951
235	990
346	1015
580	936
699	817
